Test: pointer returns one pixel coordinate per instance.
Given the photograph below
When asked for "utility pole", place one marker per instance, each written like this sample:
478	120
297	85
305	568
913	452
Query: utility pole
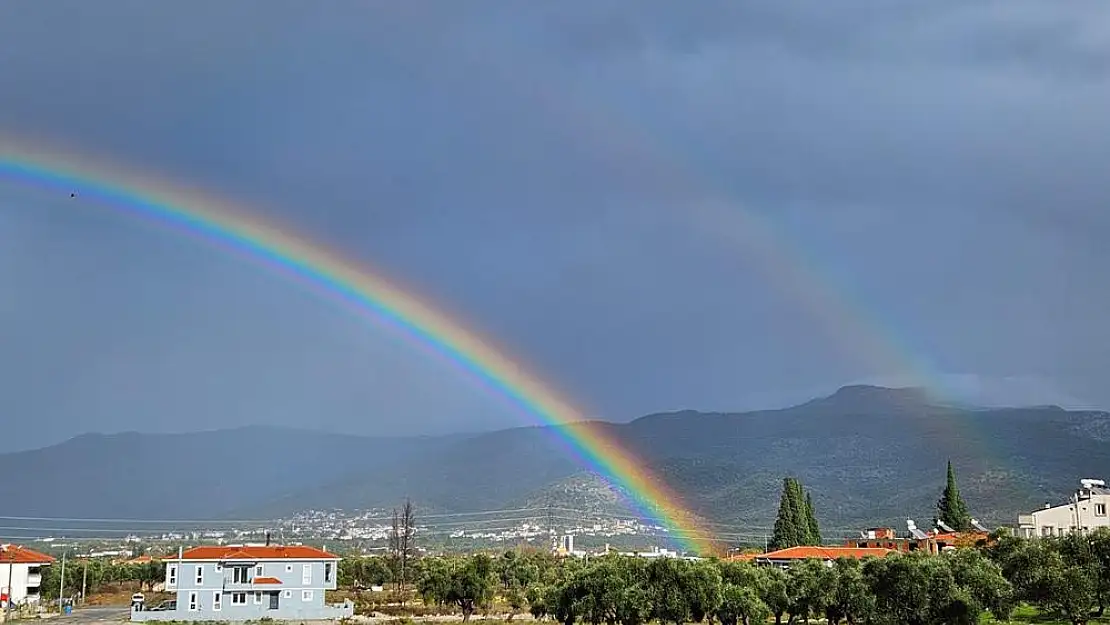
84	580
11	564
62	584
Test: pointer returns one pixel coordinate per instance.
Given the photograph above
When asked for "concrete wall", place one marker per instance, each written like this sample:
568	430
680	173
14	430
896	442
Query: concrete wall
250	613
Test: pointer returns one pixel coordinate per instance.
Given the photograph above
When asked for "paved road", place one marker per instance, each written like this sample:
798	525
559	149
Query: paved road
88	616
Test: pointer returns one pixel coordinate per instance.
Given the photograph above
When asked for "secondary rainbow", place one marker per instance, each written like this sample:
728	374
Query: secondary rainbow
222	222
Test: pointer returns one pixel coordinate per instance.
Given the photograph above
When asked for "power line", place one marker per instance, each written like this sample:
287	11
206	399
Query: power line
120	520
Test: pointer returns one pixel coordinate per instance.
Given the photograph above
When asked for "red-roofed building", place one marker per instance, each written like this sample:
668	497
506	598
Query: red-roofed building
785	557
255	552
250	583
24	567
933	541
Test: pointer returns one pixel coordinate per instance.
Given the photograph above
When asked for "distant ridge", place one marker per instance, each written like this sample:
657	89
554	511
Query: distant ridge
866	397
871	455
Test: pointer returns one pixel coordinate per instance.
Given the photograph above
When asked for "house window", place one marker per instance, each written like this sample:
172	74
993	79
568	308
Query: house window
238	598
200	575
192	602
257	598
306	595
327	572
306	574
1100	509
288	594
172	575
217	601
258	571
241	575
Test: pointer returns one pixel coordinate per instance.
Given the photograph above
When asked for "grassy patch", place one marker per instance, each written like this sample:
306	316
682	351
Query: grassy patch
1026	614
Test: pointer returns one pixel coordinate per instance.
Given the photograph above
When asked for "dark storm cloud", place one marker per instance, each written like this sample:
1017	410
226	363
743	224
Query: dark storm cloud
572	178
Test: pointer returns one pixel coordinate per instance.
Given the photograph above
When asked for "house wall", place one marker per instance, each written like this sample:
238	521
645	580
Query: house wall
21	574
1087	515
300	594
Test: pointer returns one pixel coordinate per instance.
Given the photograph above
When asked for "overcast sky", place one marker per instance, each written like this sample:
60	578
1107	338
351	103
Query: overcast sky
655	205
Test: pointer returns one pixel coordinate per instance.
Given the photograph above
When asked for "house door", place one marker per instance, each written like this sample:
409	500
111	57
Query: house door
273	601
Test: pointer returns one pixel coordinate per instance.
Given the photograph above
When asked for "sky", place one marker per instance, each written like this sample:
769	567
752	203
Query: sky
654	205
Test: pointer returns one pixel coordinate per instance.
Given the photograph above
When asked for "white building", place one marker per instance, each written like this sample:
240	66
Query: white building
20	574
1084	511
250	583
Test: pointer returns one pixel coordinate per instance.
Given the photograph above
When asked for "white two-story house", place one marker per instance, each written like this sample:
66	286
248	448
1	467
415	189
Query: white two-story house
241	583
21	574
1085	511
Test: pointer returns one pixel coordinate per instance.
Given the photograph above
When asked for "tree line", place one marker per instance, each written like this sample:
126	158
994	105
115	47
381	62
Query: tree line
627	590
1065	578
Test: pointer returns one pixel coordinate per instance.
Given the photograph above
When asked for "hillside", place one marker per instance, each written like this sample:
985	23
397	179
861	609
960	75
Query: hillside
581	496
201	475
870	455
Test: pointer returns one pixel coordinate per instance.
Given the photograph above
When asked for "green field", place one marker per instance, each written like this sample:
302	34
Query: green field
1028	614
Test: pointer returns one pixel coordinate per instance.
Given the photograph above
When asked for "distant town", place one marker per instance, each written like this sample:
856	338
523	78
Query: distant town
369	531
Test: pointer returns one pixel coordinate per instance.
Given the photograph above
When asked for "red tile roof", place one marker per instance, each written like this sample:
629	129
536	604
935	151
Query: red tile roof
825	553
267	580
22	555
273	552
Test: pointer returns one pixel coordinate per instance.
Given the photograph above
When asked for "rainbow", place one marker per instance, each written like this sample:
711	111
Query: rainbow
232	227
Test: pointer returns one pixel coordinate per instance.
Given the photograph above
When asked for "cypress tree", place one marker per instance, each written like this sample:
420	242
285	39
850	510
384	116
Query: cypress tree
789	524
951	507
811	521
798	497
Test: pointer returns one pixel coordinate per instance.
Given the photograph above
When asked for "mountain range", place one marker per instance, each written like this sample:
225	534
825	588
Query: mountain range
869	455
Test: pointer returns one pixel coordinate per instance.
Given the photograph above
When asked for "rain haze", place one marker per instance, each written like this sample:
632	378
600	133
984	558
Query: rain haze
652	205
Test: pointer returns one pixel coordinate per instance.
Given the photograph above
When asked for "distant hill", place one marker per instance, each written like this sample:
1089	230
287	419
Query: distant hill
195	476
584	495
870	455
